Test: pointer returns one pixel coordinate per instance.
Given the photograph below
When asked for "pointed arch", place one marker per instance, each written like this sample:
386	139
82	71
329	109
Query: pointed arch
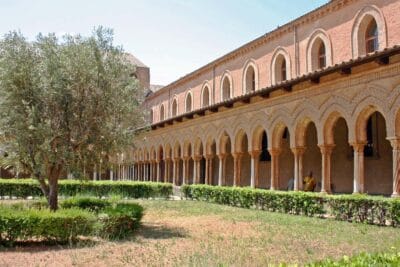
280	66
226	86
175	106
250	77
318	39
205	95
362	20
188	102
162	112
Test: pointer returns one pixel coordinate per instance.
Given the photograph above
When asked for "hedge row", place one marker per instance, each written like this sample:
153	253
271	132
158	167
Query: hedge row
354	208
28	187
364	259
43	225
77	217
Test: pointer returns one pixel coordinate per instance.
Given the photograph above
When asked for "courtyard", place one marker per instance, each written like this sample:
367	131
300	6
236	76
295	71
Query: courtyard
191	233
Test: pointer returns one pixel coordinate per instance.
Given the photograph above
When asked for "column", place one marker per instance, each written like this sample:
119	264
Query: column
395	142
255	162
207	172
174	170
210	169
221	170
274	152
186	170
196	169
111	174
237	171
144	171
298	153
94	173
151	171
358	186
326	152
178	171
158	167
167	170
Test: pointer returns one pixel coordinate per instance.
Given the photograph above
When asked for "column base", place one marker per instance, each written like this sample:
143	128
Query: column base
325	192
395	195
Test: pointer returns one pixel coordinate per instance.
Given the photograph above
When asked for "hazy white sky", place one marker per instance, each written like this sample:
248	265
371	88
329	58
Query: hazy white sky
172	37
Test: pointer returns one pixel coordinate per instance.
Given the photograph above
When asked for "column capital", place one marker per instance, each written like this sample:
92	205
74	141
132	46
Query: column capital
186	158
222	156
298	151
326	148
255	153
209	156
358	146
275	151
197	158
237	155
177	159
395	142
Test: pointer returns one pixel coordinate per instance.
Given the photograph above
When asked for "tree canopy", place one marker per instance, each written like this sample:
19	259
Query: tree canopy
66	103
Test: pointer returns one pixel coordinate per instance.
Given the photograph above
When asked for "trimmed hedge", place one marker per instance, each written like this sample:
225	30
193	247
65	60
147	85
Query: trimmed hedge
44	225
87	216
24	188
364	259
354	208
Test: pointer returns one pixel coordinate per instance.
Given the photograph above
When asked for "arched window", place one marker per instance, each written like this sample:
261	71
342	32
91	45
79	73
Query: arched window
151	116
226	89
283	70
321	56
189	102
206	97
250	79
174	108
371	37
280	66
162	113
369	32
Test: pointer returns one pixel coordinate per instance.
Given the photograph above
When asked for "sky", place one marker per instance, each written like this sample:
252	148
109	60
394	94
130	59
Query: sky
172	37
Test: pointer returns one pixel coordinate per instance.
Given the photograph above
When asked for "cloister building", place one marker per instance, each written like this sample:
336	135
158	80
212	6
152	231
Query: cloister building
320	94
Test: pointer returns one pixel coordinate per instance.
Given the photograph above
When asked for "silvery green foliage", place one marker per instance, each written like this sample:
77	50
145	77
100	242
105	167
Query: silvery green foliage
66	103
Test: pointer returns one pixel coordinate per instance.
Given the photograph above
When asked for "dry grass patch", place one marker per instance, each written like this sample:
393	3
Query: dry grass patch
187	233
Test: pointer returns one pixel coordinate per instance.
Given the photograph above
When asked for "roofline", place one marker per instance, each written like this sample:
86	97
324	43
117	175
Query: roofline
254	42
381	57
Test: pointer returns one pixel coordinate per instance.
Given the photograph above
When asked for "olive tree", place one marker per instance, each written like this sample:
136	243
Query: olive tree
66	103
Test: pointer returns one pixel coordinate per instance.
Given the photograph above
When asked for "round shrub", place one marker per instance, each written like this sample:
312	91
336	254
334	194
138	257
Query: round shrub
120	220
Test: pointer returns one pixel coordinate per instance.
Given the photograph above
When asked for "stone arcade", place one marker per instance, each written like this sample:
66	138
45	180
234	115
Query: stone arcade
321	94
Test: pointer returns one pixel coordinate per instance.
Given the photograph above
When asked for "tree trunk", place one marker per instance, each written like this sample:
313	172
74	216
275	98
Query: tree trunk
54	175
43	186
53	193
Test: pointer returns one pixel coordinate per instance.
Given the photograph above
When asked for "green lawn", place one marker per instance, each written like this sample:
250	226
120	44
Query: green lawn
188	233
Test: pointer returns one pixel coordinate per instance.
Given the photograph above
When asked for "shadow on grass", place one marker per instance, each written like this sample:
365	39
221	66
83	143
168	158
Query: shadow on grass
155	231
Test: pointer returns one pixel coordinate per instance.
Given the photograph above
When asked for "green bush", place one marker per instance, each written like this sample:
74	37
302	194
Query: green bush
88	216
288	202
28	187
379	259
120	220
33	224
354	208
